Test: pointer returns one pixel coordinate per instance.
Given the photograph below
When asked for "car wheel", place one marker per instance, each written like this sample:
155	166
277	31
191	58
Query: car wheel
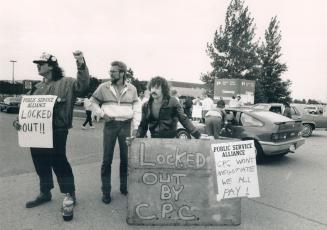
260	156
183	134
307	130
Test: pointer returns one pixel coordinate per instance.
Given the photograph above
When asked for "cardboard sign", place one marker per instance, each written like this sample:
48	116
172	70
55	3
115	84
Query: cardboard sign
172	182
35	117
236	169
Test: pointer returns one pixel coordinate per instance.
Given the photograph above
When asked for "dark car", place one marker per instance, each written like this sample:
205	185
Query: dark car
10	104
310	121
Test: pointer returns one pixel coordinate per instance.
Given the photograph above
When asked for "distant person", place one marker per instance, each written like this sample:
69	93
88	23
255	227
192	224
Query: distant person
207	104
142	97
188	105
162	112
232	103
214	120
197	109
174	93
88	111
120	110
221	102
287	110
239	102
47	159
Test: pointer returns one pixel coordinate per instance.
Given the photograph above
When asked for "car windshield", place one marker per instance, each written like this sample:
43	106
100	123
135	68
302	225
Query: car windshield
273	117
301	109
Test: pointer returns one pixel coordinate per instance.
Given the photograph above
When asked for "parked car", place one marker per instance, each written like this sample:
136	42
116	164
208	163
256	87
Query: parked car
273	134
182	133
10	104
310	121
312	109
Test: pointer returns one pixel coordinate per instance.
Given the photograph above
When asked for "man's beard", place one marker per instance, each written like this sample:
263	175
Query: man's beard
114	80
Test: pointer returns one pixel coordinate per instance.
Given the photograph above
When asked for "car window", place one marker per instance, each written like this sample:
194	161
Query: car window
276	109
247	120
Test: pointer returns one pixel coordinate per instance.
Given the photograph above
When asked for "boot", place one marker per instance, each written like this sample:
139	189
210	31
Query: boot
106	198
123	189
40	199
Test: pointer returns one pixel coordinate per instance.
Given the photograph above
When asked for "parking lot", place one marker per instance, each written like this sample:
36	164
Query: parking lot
292	188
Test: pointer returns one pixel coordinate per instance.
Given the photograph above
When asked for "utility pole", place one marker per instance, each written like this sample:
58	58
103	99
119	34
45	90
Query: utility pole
13	70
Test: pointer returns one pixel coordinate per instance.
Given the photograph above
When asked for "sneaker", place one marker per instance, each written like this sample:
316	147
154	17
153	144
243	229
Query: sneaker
68	207
40	199
106	198
92	127
83	127
68	199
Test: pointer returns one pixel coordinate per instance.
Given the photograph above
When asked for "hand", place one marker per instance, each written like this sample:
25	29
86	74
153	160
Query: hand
107	118
134	132
129	140
206	137
78	55
16	125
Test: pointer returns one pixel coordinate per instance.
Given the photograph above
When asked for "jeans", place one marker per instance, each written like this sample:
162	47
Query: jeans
88	118
47	159
111	131
213	126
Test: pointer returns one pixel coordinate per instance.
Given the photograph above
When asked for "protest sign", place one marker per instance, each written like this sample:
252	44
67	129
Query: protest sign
236	169
171	182
35	118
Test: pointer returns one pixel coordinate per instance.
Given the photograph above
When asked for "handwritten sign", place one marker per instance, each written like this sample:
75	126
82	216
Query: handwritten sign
35	117
236	169
172	183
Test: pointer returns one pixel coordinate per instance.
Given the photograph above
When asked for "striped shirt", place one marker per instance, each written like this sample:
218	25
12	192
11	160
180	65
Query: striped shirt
122	106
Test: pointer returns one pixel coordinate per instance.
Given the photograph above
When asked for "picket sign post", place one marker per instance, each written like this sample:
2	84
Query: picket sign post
35	118
174	182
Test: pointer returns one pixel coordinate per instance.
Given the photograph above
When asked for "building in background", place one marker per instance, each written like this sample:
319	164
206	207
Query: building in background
227	88
187	89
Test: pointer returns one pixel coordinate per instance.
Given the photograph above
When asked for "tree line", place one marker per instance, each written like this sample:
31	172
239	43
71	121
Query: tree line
235	53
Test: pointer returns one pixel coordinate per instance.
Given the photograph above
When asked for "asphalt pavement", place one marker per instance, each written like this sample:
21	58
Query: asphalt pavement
16	187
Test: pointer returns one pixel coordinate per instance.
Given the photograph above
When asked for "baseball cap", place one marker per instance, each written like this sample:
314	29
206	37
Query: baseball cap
46	58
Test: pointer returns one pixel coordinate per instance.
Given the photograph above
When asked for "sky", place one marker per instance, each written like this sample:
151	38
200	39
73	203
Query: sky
157	37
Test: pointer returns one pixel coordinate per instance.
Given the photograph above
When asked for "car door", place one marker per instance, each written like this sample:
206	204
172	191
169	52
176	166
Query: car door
320	120
234	127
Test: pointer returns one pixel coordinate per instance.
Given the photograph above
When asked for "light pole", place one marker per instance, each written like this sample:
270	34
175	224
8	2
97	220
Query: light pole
13	70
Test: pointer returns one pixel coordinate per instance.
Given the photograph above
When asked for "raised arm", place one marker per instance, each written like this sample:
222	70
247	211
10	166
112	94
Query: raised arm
83	77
